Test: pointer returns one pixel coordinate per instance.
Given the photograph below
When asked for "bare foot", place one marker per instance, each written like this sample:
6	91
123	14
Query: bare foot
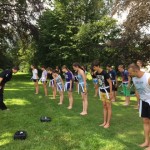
59	103
126	104
145	144
69	107
148	148
103	124
53	98
83	113
106	126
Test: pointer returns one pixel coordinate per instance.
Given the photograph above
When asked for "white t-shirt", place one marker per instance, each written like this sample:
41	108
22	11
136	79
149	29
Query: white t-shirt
35	74
143	87
44	75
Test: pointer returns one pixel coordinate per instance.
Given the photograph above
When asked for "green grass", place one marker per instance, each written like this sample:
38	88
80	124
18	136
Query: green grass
68	130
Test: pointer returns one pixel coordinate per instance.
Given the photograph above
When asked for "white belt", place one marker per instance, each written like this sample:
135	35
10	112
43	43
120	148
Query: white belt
42	79
58	85
50	82
81	84
104	88
66	84
113	81
125	82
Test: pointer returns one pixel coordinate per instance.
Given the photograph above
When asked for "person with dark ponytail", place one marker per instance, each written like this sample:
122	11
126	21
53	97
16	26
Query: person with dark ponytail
35	78
69	84
82	87
51	82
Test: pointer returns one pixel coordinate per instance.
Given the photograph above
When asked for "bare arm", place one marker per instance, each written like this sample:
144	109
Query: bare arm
149	81
1	79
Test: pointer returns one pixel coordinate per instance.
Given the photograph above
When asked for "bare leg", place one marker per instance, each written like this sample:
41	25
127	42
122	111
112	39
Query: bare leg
61	97
96	90
127	100
85	104
36	87
146	123
54	92
109	114
45	88
70	100
104	114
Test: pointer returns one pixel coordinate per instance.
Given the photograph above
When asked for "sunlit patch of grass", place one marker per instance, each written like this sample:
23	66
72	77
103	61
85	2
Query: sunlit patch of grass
20	102
4	138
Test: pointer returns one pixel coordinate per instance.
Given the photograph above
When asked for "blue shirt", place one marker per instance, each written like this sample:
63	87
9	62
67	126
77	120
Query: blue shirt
112	74
68	76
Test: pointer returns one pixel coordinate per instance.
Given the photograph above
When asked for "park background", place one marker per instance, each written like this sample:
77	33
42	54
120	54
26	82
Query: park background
58	32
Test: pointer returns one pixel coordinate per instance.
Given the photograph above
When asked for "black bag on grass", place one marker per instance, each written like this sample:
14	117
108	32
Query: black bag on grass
45	119
20	135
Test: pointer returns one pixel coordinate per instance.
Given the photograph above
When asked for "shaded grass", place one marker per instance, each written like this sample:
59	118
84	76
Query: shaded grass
68	130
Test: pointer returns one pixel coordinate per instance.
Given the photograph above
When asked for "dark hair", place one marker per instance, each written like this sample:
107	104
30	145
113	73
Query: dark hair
16	68
49	69
96	63
34	66
134	66
55	71
43	67
121	66
109	66
64	67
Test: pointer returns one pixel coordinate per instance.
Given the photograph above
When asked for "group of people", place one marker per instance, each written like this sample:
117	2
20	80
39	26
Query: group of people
105	84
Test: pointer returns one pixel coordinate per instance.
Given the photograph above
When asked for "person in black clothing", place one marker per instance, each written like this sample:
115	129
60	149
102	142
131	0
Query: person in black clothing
5	76
51	82
105	87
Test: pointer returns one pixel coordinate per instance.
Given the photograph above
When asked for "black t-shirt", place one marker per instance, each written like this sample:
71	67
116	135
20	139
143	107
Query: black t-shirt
49	76
6	75
102	80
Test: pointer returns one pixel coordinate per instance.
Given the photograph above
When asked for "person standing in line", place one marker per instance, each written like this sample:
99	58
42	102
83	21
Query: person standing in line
44	80
68	85
5	76
142	68
51	82
105	87
60	85
82	87
141	81
126	79
35	78
113	77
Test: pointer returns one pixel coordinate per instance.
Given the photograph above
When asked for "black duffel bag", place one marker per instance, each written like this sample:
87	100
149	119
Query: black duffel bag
21	135
45	119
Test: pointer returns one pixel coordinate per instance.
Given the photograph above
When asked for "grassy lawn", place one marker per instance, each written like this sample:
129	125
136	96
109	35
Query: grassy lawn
68	130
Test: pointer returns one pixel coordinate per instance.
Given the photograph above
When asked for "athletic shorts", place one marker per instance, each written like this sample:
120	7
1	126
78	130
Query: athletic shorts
35	80
95	81
67	86
104	97
51	83
114	88
126	90
60	87
144	110
81	88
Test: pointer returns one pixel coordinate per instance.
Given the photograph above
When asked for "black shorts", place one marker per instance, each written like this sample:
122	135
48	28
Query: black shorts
145	110
35	80
114	88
